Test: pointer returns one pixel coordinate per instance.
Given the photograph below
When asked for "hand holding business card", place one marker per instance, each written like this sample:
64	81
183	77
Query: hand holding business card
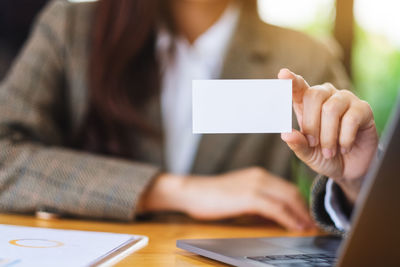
242	106
265	106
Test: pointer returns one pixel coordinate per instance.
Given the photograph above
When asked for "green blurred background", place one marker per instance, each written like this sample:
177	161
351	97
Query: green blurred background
374	62
375	69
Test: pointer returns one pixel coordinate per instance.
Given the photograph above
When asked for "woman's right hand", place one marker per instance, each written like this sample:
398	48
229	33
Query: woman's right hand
249	191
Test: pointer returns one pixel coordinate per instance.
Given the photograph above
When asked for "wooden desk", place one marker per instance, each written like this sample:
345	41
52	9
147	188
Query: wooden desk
161	250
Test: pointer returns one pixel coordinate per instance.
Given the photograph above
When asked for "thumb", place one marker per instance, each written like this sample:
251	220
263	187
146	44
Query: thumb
299	144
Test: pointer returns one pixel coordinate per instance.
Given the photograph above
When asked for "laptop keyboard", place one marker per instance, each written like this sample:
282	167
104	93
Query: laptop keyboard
298	260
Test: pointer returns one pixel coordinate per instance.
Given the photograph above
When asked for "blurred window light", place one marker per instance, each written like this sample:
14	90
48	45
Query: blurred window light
294	13
379	17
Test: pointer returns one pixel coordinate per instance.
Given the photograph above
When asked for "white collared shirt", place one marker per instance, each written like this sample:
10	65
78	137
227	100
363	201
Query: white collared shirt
201	60
332	207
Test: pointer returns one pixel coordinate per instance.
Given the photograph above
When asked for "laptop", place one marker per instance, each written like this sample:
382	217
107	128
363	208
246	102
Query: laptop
374	239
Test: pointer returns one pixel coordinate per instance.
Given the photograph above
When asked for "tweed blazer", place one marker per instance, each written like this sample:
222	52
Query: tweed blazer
44	99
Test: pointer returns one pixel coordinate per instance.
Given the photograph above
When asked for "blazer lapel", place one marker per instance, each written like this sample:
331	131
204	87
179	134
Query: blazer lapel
242	61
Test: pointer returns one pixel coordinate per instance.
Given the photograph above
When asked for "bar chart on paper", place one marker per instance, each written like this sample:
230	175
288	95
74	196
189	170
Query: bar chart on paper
31	246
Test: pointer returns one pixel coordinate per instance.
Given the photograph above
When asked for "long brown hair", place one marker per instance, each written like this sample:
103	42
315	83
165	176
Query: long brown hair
123	75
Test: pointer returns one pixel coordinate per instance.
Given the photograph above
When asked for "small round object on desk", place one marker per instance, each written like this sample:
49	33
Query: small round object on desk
47	214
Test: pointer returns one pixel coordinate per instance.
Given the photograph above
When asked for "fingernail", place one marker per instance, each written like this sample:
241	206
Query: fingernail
300	227
344	150
311	140
328	153
284	136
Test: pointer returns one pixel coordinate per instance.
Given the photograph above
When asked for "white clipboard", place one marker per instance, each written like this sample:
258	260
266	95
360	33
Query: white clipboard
32	246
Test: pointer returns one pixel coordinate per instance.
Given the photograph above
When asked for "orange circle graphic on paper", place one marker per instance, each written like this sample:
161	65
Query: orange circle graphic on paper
51	243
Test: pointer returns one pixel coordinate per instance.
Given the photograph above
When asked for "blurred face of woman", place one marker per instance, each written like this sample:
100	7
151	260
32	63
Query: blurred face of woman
193	17
210	2
204	1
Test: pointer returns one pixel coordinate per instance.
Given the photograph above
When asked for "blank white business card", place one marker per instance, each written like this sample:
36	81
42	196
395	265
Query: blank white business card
242	106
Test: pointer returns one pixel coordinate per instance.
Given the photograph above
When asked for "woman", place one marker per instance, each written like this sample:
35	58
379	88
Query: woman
112	78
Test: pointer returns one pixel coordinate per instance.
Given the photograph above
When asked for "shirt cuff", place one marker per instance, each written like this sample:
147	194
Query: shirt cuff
332	207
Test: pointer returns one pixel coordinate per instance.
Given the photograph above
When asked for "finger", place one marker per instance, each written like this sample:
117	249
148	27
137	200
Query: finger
313	99
288	193
358	116
299	84
299	144
278	211
332	112
297	206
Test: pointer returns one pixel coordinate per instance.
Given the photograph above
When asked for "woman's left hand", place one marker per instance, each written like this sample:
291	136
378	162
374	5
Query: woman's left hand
338	136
